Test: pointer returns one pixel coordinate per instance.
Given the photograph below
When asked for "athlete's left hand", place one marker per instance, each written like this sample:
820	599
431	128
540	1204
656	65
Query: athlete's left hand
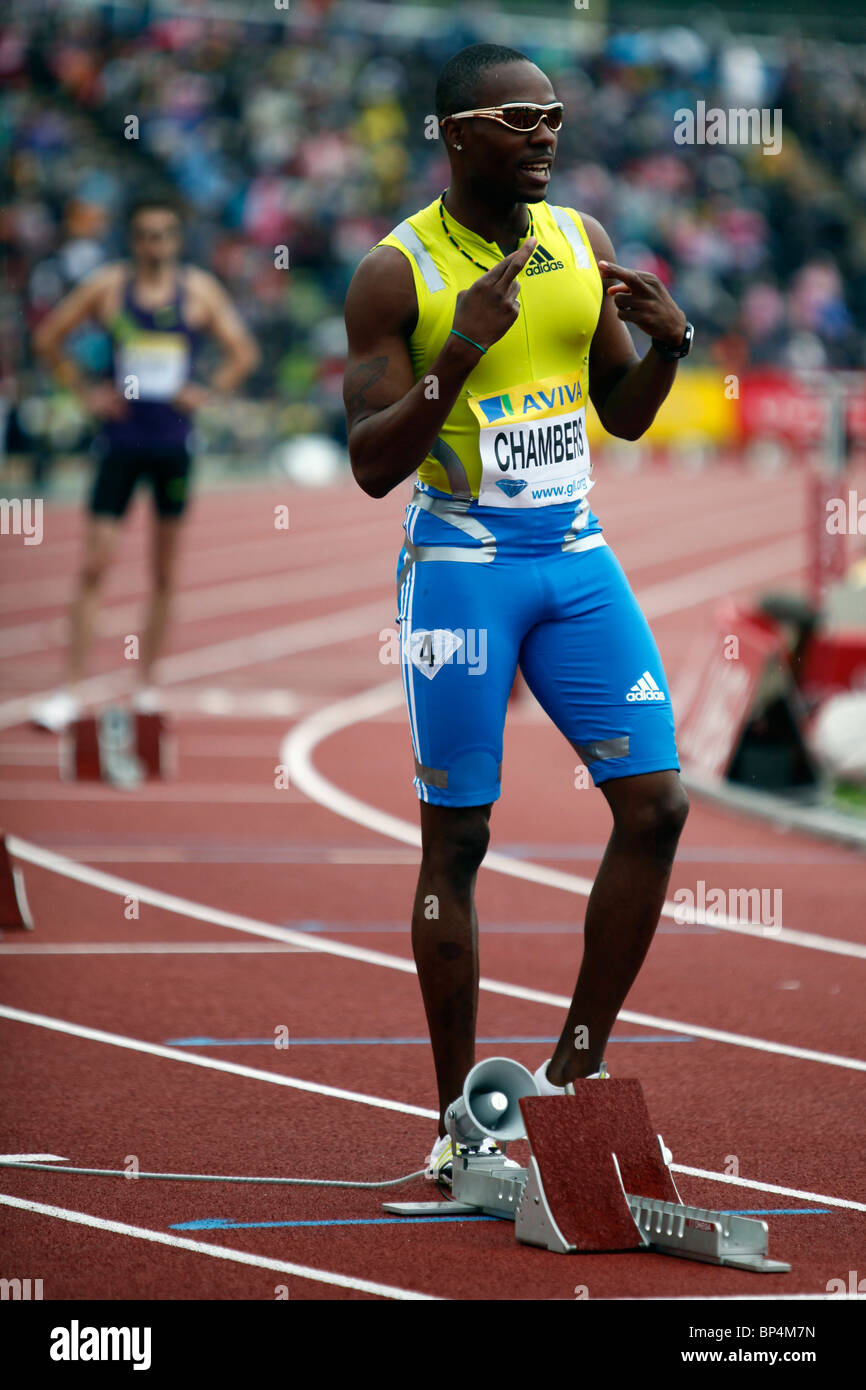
641	298
191	398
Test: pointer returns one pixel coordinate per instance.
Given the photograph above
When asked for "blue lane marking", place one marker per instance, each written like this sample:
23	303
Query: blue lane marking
222	1224
217	1224
776	1211
402	1042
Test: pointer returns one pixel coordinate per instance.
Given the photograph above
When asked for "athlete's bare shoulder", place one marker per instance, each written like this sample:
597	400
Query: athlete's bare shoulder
204	291
601	244
106	277
207	303
382	293
100	292
200	281
112	273
209	308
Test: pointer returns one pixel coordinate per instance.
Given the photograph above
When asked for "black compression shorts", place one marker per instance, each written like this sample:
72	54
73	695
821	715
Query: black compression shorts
119	470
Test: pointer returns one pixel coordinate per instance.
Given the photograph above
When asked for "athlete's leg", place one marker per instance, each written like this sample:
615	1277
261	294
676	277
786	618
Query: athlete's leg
445	938
113	487
461	625
166	537
649	812
170	474
596	669
100	548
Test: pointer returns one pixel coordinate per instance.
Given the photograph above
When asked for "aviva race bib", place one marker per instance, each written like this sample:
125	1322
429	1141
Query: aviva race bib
157	364
532	439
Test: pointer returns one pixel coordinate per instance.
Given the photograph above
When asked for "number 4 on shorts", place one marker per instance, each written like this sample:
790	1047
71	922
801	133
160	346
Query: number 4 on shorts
430	651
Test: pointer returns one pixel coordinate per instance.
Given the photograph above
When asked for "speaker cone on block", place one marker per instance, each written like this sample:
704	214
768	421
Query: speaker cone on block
489	1107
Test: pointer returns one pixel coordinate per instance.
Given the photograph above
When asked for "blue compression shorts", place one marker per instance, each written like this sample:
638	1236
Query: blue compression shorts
481	590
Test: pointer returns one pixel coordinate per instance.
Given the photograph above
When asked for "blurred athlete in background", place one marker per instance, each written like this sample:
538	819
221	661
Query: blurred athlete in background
477	329
155	310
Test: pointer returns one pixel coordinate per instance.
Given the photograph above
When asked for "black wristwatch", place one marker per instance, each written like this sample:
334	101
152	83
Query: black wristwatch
672	354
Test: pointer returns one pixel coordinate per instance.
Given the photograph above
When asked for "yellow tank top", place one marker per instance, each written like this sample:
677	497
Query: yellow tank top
517	433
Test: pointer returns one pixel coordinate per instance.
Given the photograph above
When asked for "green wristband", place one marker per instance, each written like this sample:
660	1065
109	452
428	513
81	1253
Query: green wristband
468	340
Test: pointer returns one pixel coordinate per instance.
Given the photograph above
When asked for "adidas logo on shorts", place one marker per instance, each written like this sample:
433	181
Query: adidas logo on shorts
645	689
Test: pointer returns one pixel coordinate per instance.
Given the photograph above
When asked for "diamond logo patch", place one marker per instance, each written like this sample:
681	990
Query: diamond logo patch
511	486
430	651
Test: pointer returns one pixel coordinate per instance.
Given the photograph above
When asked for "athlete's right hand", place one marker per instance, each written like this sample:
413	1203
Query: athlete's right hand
104	401
487	310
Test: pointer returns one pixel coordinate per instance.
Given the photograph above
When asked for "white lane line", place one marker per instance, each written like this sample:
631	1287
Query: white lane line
173	1054
216	1252
95	878
150	948
32	1158
255	648
296	752
192	793
166	854
769	1187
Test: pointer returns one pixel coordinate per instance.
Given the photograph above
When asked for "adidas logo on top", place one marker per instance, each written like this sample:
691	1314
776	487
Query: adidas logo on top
541	261
645	688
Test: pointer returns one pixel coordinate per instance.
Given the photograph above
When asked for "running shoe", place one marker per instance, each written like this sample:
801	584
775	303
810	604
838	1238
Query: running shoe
439	1163
56	712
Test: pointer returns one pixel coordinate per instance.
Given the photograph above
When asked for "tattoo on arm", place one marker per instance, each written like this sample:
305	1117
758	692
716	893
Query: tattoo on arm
360	381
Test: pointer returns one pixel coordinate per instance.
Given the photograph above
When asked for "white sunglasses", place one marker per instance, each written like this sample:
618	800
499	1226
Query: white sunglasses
517	115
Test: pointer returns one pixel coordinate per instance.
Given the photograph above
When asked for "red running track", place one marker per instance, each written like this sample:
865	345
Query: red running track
749	1046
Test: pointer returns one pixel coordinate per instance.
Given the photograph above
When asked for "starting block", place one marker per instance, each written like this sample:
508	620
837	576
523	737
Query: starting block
119	746
598	1177
14	908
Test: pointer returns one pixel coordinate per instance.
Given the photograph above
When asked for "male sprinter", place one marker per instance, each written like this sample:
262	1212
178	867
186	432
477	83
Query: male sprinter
476	331
155	311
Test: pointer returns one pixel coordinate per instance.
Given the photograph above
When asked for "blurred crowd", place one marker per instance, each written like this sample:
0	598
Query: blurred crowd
306	127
